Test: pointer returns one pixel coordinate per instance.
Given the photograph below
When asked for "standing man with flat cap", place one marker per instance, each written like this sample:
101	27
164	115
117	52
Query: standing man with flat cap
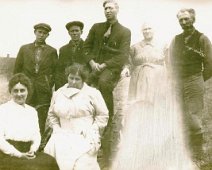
71	52
38	61
191	65
106	50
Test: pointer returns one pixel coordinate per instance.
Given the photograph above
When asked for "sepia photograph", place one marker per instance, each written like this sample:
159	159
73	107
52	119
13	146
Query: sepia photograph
105	85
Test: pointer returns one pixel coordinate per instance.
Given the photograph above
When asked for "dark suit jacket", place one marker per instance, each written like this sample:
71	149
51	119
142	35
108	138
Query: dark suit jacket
66	58
42	81
113	51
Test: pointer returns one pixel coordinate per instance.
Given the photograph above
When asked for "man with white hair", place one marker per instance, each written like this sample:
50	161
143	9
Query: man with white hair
191	65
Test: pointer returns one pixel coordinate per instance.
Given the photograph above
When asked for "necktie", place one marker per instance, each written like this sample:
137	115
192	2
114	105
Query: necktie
75	46
108	32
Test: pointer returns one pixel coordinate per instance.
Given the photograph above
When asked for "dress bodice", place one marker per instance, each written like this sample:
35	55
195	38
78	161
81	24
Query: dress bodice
144	52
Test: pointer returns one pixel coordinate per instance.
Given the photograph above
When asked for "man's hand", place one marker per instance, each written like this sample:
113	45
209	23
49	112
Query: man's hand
94	65
125	72
102	66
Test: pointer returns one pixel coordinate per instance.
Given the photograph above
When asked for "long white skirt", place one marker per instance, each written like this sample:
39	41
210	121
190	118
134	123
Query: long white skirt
153	134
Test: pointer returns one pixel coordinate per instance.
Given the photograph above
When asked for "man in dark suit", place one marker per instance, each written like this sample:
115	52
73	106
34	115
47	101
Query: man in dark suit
71	52
106	50
191	65
38	60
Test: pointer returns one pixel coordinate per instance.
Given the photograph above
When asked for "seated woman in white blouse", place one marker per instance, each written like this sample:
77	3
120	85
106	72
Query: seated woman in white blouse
19	131
78	115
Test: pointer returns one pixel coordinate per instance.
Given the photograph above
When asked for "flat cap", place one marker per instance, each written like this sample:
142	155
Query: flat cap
44	26
75	23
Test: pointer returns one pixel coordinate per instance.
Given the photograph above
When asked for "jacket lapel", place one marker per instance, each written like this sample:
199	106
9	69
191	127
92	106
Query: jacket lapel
44	54
114	31
32	52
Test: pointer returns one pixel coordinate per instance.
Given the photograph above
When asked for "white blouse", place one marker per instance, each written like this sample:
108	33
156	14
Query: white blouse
19	123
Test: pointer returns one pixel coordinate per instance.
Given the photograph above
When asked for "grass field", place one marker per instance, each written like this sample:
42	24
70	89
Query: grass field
4	94
6	69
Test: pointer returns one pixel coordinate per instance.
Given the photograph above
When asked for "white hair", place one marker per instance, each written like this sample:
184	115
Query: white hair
189	10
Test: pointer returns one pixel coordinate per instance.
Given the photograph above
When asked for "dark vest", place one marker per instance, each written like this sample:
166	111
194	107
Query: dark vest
187	57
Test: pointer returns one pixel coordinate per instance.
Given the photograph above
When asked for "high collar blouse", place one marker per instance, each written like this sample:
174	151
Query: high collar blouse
19	123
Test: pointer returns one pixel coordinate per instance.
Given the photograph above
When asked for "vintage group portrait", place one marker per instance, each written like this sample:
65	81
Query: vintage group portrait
105	85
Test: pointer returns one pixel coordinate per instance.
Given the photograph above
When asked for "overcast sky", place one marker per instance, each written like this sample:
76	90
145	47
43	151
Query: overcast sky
17	18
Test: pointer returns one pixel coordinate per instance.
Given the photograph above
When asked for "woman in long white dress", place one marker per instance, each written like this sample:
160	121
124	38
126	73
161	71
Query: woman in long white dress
152	137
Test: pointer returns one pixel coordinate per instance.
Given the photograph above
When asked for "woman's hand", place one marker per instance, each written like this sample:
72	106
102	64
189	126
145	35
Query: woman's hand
125	72
94	149
94	139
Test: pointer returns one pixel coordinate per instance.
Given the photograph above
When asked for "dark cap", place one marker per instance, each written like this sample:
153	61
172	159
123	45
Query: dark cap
43	25
74	23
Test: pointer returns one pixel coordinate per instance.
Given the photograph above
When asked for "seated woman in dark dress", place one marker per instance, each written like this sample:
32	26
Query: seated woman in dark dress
19	131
